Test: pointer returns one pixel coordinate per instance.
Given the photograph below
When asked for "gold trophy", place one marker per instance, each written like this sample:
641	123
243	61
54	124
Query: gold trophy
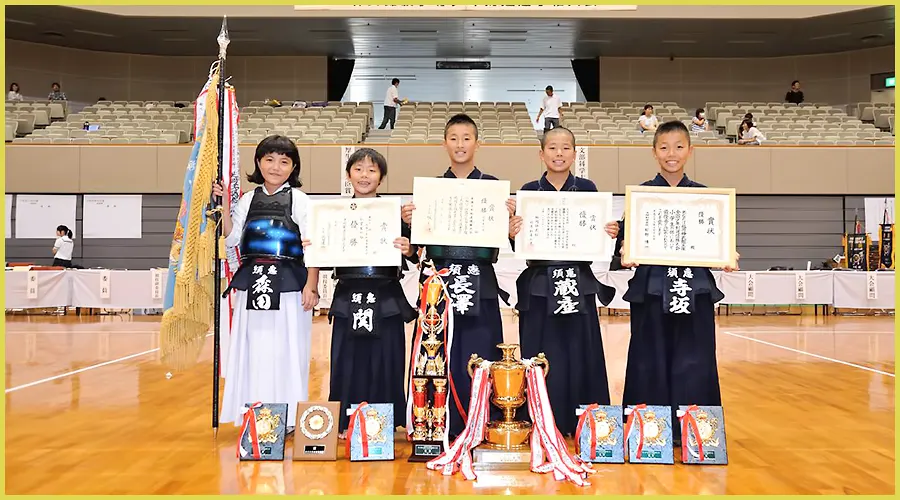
440	396
507	440
432	324
430	370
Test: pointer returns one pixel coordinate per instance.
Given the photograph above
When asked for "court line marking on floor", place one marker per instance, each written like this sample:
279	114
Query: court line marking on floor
80	370
811	354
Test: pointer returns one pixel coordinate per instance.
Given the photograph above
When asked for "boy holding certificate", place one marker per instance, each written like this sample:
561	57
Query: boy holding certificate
477	327
369	310
672	354
563	325
268	357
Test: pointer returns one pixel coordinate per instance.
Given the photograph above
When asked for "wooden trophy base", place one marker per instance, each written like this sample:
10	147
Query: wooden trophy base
424	451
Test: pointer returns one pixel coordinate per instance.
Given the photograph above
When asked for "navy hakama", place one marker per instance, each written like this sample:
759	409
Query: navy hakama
672	356
570	336
368	354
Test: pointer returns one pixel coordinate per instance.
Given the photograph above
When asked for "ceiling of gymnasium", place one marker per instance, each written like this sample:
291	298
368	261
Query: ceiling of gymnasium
454	37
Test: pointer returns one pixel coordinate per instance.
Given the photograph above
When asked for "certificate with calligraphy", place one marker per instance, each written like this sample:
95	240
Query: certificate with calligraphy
564	226
671	226
460	212
351	232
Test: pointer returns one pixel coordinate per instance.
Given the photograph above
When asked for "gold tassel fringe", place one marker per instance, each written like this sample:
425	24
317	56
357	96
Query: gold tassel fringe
185	325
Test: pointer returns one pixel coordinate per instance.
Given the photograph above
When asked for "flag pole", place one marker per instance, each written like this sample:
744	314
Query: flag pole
223	41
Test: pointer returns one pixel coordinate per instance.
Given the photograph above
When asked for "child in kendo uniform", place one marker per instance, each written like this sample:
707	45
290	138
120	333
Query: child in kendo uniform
557	301
369	310
472	280
269	352
672	351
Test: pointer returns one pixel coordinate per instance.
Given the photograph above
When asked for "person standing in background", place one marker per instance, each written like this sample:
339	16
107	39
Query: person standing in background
391	101
550	108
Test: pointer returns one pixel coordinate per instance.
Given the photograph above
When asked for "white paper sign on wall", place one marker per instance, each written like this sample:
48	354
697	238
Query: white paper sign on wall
581	162
346	187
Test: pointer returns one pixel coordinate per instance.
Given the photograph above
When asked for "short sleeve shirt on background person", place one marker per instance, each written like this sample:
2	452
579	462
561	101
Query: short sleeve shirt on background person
390	96
551	106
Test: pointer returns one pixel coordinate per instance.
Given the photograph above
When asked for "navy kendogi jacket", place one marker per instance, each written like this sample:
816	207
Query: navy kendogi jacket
540	281
650	280
484	258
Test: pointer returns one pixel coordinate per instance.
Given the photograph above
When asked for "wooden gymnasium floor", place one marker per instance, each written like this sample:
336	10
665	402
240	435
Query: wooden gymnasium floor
809	408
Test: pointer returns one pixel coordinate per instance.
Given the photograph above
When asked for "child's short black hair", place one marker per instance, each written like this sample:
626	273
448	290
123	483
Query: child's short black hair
556	130
672	126
276	144
363	153
461	118
64	229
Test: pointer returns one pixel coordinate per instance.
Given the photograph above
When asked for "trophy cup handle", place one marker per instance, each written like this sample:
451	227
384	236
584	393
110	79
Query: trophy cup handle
541	360
474	361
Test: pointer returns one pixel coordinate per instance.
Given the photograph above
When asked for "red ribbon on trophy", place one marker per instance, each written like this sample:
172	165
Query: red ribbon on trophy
249	423
635	414
447	317
363	435
689	422
587	416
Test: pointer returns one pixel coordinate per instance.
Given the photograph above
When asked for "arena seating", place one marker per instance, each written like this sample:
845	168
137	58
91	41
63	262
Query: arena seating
616	122
498	122
121	122
599	123
337	123
809	123
22	117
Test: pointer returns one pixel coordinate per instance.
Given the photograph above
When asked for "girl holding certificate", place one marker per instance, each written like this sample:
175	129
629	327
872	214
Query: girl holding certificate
369	310
269	351
557	301
672	352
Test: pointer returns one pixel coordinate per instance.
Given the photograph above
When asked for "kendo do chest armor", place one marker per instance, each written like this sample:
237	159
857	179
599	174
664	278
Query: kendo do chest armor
269	231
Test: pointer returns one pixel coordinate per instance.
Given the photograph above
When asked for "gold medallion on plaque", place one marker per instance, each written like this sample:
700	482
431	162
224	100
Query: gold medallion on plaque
316	436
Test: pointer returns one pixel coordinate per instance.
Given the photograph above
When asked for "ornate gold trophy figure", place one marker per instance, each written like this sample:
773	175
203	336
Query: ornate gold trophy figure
508	382
507	440
426	409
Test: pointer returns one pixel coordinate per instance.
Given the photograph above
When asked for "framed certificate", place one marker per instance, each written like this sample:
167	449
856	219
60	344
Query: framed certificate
460	212
350	232
672	226
564	226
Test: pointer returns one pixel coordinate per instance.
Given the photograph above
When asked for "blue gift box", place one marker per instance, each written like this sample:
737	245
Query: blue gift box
268	423
650	428
379	428
709	422
609	431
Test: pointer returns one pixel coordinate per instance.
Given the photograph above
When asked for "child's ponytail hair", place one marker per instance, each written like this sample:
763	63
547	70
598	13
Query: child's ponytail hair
65	229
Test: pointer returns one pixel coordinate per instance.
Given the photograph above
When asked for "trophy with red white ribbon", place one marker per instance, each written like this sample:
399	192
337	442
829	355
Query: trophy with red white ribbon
427	406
